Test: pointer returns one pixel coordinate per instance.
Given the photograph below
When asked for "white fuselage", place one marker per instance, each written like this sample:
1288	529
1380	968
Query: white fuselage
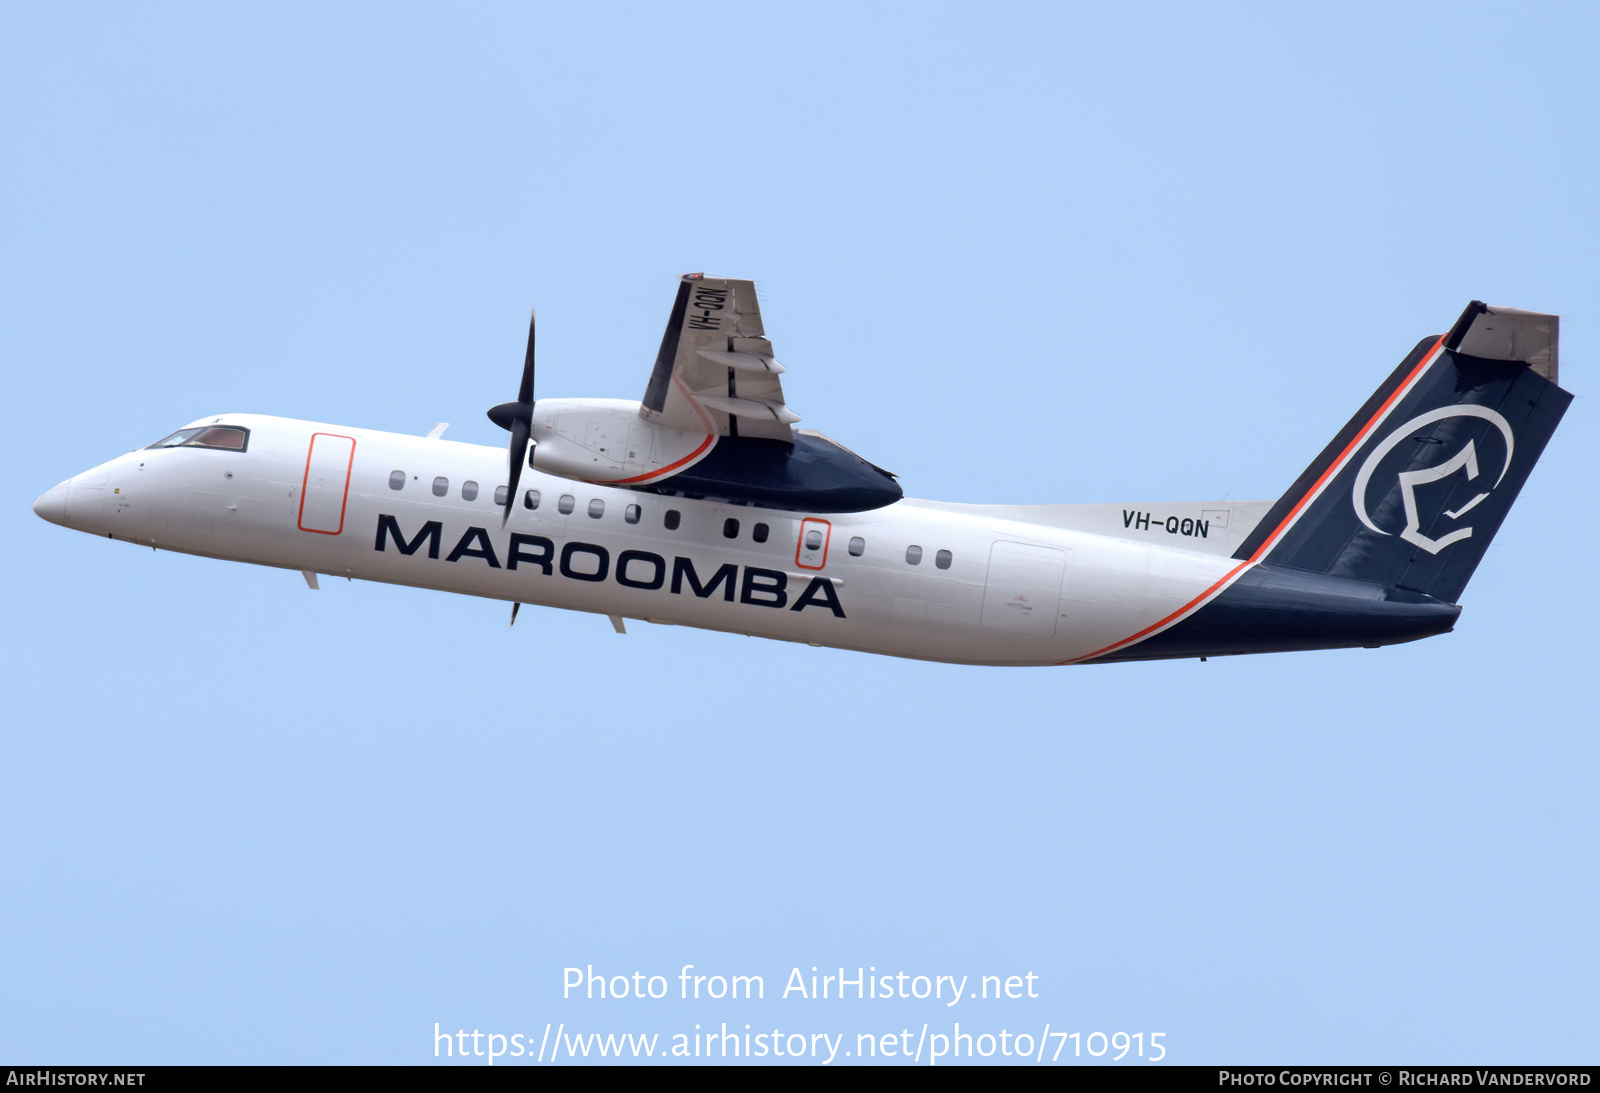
979	584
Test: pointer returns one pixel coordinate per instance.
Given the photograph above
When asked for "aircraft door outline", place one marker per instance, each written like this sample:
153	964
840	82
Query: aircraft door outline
807	556
325	489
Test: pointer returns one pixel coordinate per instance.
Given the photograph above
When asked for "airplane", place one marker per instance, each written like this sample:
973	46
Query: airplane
702	505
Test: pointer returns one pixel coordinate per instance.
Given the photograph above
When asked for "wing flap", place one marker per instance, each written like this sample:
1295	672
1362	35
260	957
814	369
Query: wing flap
746	362
716	370
757	409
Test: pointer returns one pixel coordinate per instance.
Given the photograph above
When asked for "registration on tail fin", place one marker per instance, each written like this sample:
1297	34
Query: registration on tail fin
1412	490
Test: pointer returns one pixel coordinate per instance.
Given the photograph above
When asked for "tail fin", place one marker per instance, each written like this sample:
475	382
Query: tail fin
1412	490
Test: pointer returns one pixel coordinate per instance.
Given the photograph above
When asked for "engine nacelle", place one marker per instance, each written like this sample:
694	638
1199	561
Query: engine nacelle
611	441
608	440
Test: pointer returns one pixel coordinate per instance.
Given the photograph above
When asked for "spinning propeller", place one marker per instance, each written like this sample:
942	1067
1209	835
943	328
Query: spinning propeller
518	418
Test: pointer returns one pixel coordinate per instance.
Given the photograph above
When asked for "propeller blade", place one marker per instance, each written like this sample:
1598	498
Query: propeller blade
525	392
521	428
518	418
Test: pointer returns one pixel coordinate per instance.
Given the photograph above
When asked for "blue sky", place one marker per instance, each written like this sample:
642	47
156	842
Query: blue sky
1029	253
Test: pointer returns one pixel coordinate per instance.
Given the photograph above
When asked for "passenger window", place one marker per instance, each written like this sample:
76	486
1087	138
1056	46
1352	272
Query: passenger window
530	500
858	546
500	495
631	514
913	555
566	504
673	519
469	490
942	559
441	486
759	533
730	528
597	509
397	480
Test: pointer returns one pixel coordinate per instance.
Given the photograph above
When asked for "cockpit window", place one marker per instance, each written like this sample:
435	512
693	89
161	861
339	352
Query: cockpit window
227	437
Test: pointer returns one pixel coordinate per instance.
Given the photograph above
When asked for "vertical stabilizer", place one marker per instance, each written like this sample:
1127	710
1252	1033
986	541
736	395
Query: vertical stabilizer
1410	492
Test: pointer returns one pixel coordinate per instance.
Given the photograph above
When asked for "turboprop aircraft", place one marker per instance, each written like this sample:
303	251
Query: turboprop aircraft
702	505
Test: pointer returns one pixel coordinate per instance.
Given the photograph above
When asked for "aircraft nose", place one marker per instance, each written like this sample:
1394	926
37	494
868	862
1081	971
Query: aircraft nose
52	506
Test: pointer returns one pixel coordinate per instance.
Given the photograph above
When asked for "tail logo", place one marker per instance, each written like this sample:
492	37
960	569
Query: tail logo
1464	460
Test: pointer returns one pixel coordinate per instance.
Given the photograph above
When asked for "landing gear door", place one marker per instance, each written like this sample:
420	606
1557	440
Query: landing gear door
812	550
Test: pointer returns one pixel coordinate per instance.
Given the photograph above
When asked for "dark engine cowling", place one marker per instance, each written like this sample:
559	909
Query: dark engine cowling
814	474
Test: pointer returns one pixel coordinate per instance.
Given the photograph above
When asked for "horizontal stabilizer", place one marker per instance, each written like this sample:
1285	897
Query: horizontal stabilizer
1507	334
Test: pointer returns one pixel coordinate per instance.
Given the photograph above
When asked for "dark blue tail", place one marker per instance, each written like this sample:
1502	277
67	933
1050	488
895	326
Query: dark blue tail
1412	490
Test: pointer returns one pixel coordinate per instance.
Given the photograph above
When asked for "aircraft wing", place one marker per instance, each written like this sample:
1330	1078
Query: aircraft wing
715	371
